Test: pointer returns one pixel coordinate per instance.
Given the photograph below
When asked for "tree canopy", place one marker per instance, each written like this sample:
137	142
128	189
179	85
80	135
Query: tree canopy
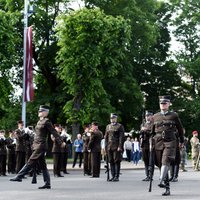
109	56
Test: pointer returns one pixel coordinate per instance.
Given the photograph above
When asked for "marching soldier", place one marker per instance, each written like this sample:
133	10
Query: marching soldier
114	138
165	126
42	130
145	134
94	146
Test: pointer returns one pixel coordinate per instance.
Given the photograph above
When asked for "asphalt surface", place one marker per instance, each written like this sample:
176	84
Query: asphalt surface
76	186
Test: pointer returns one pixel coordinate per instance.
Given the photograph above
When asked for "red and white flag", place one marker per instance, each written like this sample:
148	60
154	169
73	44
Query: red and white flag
29	89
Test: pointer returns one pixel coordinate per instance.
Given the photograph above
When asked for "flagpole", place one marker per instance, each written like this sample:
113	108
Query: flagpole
24	61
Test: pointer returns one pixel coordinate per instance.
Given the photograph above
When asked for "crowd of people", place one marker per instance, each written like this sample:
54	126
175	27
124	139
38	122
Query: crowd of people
132	150
161	135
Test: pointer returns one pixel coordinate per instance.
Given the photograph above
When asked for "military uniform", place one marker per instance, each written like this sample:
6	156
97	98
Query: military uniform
20	148
3	155
86	154
56	151
194	141
165	126
145	134
11	145
174	169
64	153
114	139
94	146
42	130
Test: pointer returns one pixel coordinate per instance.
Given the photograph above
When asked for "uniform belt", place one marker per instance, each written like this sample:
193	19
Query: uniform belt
161	134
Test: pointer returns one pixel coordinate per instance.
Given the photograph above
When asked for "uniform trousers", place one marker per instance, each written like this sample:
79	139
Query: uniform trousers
20	160
96	163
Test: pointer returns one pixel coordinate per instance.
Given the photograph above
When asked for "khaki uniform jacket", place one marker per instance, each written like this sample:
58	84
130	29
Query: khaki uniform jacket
20	140
86	140
44	128
3	143
114	137
95	141
165	127
145	135
56	148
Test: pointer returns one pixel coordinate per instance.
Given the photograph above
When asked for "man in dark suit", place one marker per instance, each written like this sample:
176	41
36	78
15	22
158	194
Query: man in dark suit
42	130
94	146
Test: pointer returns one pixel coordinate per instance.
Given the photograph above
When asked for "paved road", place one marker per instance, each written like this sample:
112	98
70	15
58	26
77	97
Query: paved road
75	186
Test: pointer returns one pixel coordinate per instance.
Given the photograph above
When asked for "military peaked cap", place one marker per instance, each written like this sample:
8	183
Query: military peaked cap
164	99
44	108
113	115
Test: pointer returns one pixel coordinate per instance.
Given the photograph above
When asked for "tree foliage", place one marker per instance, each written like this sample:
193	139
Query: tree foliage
92	47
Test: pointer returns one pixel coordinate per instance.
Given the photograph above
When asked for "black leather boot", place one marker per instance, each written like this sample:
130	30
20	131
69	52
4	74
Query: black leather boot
163	175
167	186
47	181
167	192
176	171
112	168
117	172
147	174
21	173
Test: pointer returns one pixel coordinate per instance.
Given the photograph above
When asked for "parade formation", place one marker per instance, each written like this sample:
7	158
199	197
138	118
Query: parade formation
161	142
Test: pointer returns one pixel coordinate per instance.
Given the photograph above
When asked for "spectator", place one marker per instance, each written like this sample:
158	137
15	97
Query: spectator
194	141
78	144
136	151
128	148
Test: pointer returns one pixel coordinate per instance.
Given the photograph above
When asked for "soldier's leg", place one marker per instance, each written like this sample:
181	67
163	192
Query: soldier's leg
176	171
167	186
45	173
172	171
145	155
147	173
26	168
168	157
112	164
117	161
163	174
85	163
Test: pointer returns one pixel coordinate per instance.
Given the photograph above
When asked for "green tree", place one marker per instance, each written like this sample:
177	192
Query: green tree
9	39
186	21
92	47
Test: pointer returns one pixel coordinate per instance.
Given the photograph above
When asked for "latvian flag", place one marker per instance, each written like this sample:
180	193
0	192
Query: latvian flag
29	90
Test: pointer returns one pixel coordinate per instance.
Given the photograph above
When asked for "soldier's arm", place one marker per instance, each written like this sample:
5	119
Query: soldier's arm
18	134
180	129
91	141
53	131
106	139
121	137
52	138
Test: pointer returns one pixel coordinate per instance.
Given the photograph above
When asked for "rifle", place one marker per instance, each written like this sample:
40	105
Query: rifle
151	163
107	168
34	178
